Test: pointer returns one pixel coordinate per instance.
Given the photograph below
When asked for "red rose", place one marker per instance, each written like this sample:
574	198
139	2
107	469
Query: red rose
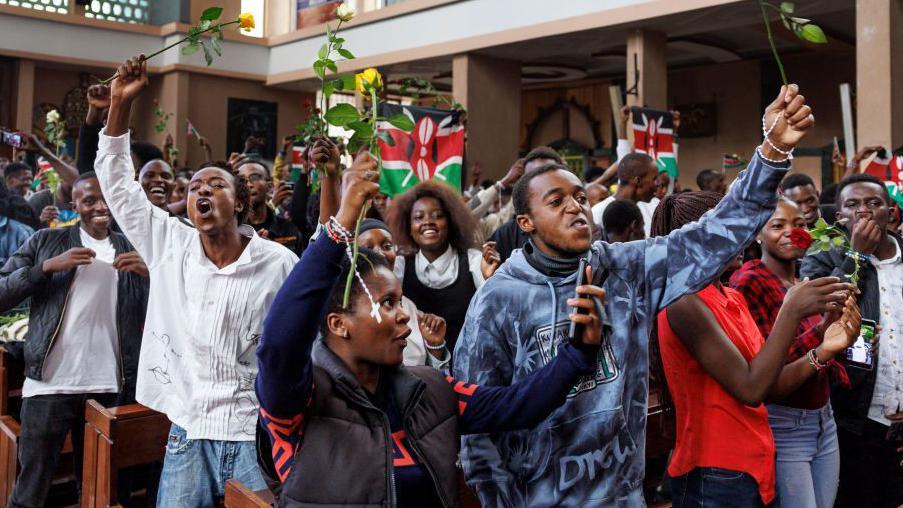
801	238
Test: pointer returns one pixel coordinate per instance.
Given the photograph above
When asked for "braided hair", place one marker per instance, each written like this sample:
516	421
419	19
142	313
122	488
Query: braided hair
678	210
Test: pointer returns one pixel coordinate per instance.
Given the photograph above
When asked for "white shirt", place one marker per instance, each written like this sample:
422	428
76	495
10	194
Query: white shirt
599	209
198	360
887	397
84	357
647	208
442	272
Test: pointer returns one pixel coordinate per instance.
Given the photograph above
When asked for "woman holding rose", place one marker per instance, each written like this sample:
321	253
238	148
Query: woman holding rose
805	435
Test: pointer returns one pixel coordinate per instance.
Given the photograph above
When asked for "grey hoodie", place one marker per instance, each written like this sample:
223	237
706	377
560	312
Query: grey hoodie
590	451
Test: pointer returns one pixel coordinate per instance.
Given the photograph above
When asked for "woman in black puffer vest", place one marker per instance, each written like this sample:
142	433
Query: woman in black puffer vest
342	422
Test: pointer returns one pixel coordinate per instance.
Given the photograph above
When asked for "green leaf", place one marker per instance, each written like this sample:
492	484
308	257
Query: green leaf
191	48
339	41
211	13
821	223
320	69
328	88
328	32
800	21
208	57
338	84
812	33
347	82
331	65
345	53
215	44
342	114
402	121
324	52
838	241
787	7
205	24
363	129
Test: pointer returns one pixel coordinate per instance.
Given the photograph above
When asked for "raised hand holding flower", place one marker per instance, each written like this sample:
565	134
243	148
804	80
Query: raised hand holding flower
213	44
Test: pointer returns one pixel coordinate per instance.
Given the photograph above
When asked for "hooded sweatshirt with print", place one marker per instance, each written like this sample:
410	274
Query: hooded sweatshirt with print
590	451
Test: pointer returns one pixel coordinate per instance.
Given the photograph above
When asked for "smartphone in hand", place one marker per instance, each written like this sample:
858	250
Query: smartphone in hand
576	330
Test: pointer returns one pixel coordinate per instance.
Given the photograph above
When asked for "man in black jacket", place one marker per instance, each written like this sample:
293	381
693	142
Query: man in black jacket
88	290
871	473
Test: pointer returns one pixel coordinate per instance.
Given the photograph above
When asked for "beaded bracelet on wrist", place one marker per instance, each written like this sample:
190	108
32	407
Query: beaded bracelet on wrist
440	347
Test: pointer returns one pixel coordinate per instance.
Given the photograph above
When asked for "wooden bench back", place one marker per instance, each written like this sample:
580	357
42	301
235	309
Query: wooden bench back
116	438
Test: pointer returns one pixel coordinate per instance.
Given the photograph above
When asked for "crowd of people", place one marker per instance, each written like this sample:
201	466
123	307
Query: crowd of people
510	329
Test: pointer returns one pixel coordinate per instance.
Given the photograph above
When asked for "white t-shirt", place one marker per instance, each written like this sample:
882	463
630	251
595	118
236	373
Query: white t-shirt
887	397
84	356
646	210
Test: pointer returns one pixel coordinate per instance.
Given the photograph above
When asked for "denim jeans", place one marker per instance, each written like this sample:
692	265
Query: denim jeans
46	419
807	469
195	470
713	487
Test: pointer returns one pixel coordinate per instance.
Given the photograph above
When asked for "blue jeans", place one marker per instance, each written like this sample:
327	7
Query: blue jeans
808	456
195	470
713	487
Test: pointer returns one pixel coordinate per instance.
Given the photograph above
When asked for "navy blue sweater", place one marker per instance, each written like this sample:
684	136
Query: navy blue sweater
285	370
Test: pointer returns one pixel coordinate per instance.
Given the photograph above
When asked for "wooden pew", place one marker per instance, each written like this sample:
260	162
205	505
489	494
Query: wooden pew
12	376
9	452
117	438
239	496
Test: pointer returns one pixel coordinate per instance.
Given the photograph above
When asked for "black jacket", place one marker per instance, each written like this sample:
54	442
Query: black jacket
23	276
345	424
851	406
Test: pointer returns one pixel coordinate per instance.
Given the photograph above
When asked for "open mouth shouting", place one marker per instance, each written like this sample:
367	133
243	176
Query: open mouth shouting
204	208
580	224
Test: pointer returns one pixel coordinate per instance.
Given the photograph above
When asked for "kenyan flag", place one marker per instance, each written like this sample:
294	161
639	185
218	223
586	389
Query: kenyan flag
434	149
653	135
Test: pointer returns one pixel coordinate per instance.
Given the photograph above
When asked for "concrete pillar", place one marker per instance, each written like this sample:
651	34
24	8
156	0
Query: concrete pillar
879	73
24	95
174	99
490	90
650	59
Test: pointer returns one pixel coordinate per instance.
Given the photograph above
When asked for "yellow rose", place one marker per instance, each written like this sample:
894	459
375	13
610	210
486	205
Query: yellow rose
368	79
246	21
345	13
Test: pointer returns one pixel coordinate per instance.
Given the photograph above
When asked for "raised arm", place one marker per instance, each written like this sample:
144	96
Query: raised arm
150	229
688	259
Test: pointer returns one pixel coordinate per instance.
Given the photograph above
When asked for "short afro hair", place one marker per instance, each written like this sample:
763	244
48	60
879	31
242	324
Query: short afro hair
705	177
542	152
145	152
521	194
619	215
372	260
633	165
795	180
861	178
15	167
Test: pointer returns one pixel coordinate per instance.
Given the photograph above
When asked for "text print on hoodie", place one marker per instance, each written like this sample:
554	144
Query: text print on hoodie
590	451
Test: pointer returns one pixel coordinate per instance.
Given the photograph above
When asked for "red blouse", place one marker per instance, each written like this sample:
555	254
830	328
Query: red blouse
713	428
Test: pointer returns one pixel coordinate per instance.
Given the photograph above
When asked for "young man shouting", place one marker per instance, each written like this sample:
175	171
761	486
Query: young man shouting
88	291
590	452
211	287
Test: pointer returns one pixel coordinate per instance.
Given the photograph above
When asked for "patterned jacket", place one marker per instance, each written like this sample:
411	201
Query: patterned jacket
590	451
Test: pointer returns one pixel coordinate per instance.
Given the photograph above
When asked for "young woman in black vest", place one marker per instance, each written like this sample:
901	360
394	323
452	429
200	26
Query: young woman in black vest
440	271
342	422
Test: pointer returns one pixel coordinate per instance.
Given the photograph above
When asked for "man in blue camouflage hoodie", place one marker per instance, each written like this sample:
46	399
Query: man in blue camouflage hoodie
590	452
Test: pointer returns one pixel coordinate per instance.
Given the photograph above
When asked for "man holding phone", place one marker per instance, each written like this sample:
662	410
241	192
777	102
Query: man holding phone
871	471
590	452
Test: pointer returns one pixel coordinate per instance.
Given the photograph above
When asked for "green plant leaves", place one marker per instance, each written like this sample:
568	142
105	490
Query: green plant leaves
320	69
346	54
402	121
191	48
216	45
342	114
362	129
211	13
208	57
812	33
323	52
204	25
787	7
